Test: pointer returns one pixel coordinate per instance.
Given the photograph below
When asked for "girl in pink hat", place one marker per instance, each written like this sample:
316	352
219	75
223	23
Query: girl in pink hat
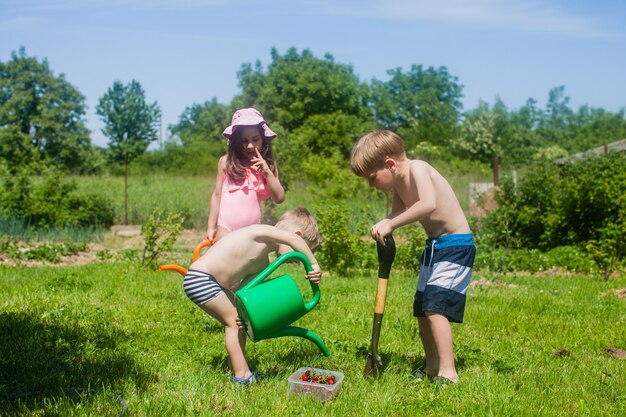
246	175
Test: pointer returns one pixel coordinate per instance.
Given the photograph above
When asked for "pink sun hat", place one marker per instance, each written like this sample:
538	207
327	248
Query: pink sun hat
248	117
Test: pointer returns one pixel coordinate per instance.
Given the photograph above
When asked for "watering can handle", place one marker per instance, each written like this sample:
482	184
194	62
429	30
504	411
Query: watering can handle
280	260
204	243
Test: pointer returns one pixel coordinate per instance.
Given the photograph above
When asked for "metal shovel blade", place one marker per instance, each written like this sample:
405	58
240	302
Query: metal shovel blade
373	366
374	363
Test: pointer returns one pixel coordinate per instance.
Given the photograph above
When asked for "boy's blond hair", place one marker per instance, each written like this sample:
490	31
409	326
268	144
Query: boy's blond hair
370	152
303	220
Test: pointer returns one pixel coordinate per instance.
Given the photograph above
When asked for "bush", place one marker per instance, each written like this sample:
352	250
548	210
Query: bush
410	241
160	233
558	206
567	258
53	202
340	247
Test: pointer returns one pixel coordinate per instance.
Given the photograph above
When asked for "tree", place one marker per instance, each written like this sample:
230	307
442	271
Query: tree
130	123
203	123
297	86
479	137
421	104
41	116
555	125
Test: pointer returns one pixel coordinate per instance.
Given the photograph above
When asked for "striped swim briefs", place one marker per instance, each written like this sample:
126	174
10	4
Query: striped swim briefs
201	287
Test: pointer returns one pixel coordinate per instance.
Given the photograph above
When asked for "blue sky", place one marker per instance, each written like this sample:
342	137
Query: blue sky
189	51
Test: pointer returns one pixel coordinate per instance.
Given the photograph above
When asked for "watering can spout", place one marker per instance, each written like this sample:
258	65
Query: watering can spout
305	333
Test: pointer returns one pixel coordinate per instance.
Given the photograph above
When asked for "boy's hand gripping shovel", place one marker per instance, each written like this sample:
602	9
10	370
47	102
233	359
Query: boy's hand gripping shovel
386	255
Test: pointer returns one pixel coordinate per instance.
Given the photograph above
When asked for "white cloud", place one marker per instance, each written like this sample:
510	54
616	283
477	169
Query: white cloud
528	16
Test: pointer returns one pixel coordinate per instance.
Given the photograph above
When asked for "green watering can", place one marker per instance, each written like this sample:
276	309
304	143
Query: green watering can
267	308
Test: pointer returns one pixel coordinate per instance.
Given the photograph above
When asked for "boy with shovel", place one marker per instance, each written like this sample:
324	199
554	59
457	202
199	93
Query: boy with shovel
421	194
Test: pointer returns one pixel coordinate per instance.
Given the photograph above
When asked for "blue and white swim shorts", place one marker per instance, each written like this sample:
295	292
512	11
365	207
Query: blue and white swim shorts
445	273
201	287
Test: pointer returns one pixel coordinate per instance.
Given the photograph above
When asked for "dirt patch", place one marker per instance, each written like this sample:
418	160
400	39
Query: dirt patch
620	293
561	353
119	238
485	283
616	353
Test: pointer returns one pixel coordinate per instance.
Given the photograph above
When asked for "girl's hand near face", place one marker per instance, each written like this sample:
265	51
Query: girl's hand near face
260	164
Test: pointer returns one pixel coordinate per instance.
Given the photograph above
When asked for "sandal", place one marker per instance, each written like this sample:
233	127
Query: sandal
252	379
442	380
422	375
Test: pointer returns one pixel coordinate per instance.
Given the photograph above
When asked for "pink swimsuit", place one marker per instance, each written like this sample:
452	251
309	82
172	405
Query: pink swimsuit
239	205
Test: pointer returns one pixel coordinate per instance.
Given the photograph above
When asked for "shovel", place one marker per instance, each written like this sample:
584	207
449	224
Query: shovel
386	255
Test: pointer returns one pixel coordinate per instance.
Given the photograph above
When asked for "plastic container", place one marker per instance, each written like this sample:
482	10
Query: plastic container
322	391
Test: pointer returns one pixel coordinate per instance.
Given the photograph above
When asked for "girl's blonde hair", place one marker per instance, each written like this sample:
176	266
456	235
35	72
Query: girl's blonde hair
236	160
370	152
303	220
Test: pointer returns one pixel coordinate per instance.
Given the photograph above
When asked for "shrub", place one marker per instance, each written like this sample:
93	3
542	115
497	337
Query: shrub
53	201
159	232
340	247
410	241
568	258
555	206
609	251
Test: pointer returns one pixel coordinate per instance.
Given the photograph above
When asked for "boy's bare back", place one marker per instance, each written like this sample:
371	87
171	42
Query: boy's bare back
447	216
242	254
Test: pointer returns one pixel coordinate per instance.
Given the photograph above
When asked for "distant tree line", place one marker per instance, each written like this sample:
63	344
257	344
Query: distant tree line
318	106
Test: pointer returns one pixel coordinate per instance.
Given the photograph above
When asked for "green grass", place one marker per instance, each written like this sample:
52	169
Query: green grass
17	229
529	346
191	195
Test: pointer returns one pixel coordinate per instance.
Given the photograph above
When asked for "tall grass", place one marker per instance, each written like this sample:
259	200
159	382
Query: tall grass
529	346
190	195
17	229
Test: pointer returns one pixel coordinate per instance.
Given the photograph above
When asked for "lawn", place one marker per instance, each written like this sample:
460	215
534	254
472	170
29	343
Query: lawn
76	337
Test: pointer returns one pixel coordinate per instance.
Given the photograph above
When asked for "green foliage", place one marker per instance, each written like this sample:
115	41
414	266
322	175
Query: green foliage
197	158
420	104
159	233
324	139
555	206
203	123
297	86
340	246
130	122
609	251
42	117
410	240
329	177
45	252
53	201
478	137
565	258
550	153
